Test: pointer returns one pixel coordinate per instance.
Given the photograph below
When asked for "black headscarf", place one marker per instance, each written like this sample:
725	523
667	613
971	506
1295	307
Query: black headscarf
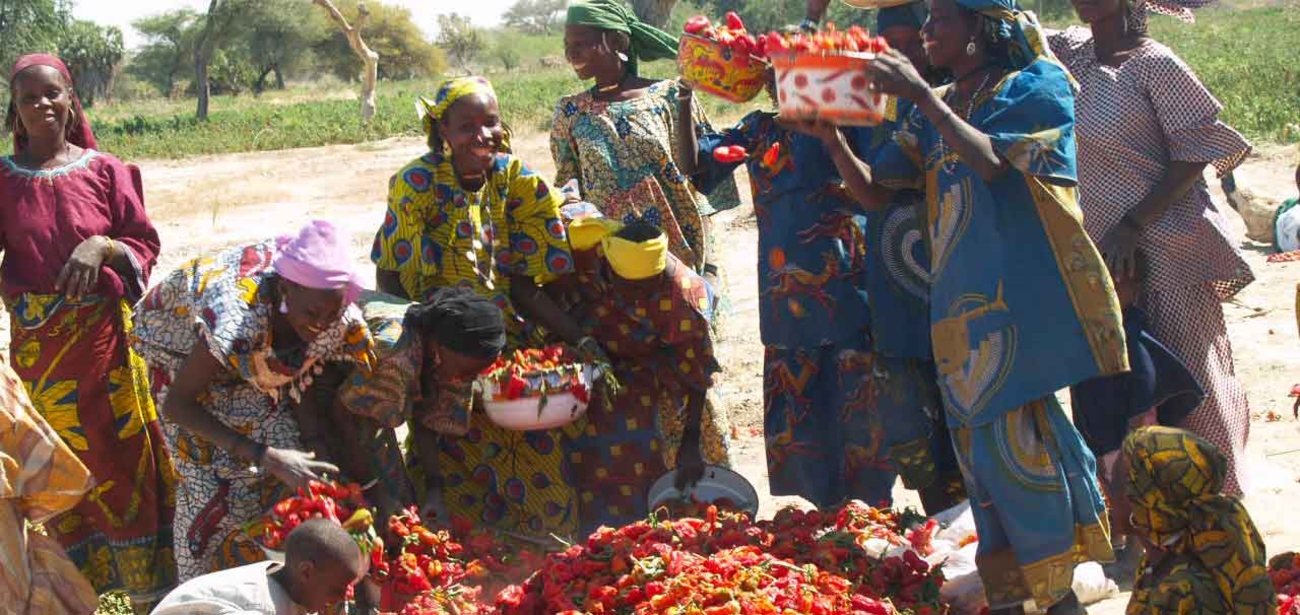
461	321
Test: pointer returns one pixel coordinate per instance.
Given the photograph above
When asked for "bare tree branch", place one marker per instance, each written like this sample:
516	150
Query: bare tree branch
369	58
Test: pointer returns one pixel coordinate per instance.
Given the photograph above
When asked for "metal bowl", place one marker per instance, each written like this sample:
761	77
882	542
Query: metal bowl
717	483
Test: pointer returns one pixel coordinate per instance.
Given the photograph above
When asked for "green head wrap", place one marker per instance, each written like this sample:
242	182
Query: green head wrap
648	42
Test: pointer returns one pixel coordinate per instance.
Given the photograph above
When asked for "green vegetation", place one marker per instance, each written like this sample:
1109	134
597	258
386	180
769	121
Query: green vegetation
1245	59
1256	80
90	51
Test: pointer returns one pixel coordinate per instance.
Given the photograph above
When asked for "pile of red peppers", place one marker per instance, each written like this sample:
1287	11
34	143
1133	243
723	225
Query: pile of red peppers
735	36
1284	570
851	560
818	563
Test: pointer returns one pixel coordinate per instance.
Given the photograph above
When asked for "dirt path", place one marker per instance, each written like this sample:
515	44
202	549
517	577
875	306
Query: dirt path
212	202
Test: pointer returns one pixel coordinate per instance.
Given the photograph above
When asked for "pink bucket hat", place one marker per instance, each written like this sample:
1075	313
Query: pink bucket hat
318	257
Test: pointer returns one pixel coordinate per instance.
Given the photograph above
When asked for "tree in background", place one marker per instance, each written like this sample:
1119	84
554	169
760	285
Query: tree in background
369	58
169	44
535	16
657	12
391	32
92	54
460	39
29	26
216	25
277	39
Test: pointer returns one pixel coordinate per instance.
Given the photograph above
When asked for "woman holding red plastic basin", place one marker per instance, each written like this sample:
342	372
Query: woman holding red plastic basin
864	409
1021	305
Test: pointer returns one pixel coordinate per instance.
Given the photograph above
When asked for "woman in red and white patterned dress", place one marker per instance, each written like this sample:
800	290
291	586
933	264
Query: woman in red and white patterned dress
1146	130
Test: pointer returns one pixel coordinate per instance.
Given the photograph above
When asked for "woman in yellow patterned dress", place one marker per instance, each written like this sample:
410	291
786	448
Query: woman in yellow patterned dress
1203	553
470	214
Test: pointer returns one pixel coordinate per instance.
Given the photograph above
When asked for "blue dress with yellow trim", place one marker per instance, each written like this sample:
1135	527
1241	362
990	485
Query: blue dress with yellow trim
1021	306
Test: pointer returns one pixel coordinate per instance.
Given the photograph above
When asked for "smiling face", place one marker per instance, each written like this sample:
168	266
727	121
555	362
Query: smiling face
42	101
311	312
591	53
947	32
472	128
1092	11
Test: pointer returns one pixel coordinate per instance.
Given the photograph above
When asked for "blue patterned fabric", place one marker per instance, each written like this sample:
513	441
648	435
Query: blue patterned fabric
1021	302
811	241
897	277
825	438
1036	503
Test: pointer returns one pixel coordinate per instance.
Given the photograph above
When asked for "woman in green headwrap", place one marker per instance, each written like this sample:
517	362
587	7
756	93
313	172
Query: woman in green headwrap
616	138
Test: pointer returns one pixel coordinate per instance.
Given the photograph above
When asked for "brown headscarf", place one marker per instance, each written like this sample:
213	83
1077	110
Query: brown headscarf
79	133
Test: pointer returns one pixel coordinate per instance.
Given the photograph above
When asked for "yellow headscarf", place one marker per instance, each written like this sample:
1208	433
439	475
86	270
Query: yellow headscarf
633	260
587	233
1174	482
449	92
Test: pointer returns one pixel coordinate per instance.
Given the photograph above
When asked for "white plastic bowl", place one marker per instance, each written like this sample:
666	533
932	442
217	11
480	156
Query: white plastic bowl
527	413
717	483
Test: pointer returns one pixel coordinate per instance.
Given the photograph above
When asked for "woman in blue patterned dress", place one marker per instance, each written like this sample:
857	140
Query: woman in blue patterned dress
840	417
1020	301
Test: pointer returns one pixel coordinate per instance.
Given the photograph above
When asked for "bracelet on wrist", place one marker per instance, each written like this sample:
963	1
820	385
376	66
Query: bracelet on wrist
110	248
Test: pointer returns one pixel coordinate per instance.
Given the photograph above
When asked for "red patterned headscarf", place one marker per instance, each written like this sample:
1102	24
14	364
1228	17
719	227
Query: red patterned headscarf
81	135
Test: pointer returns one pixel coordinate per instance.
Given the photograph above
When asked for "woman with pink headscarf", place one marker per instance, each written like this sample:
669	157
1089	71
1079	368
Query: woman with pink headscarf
78	248
232	340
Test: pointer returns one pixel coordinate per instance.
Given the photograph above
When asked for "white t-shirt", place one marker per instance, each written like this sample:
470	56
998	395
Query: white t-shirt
247	590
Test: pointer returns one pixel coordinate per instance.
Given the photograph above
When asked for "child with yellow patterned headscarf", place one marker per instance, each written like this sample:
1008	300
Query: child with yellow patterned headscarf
1204	555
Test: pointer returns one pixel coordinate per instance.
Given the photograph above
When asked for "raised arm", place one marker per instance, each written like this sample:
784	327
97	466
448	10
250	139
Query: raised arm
894	74
688	143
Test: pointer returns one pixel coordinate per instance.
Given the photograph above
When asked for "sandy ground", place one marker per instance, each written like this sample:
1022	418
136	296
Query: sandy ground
205	203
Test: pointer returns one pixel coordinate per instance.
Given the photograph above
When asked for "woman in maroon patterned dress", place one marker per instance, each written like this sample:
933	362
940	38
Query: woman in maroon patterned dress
1146	129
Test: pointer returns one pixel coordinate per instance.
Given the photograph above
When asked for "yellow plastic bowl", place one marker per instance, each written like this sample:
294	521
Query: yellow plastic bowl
709	66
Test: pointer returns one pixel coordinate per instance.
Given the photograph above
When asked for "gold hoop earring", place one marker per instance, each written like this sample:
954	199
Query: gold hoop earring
970	48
